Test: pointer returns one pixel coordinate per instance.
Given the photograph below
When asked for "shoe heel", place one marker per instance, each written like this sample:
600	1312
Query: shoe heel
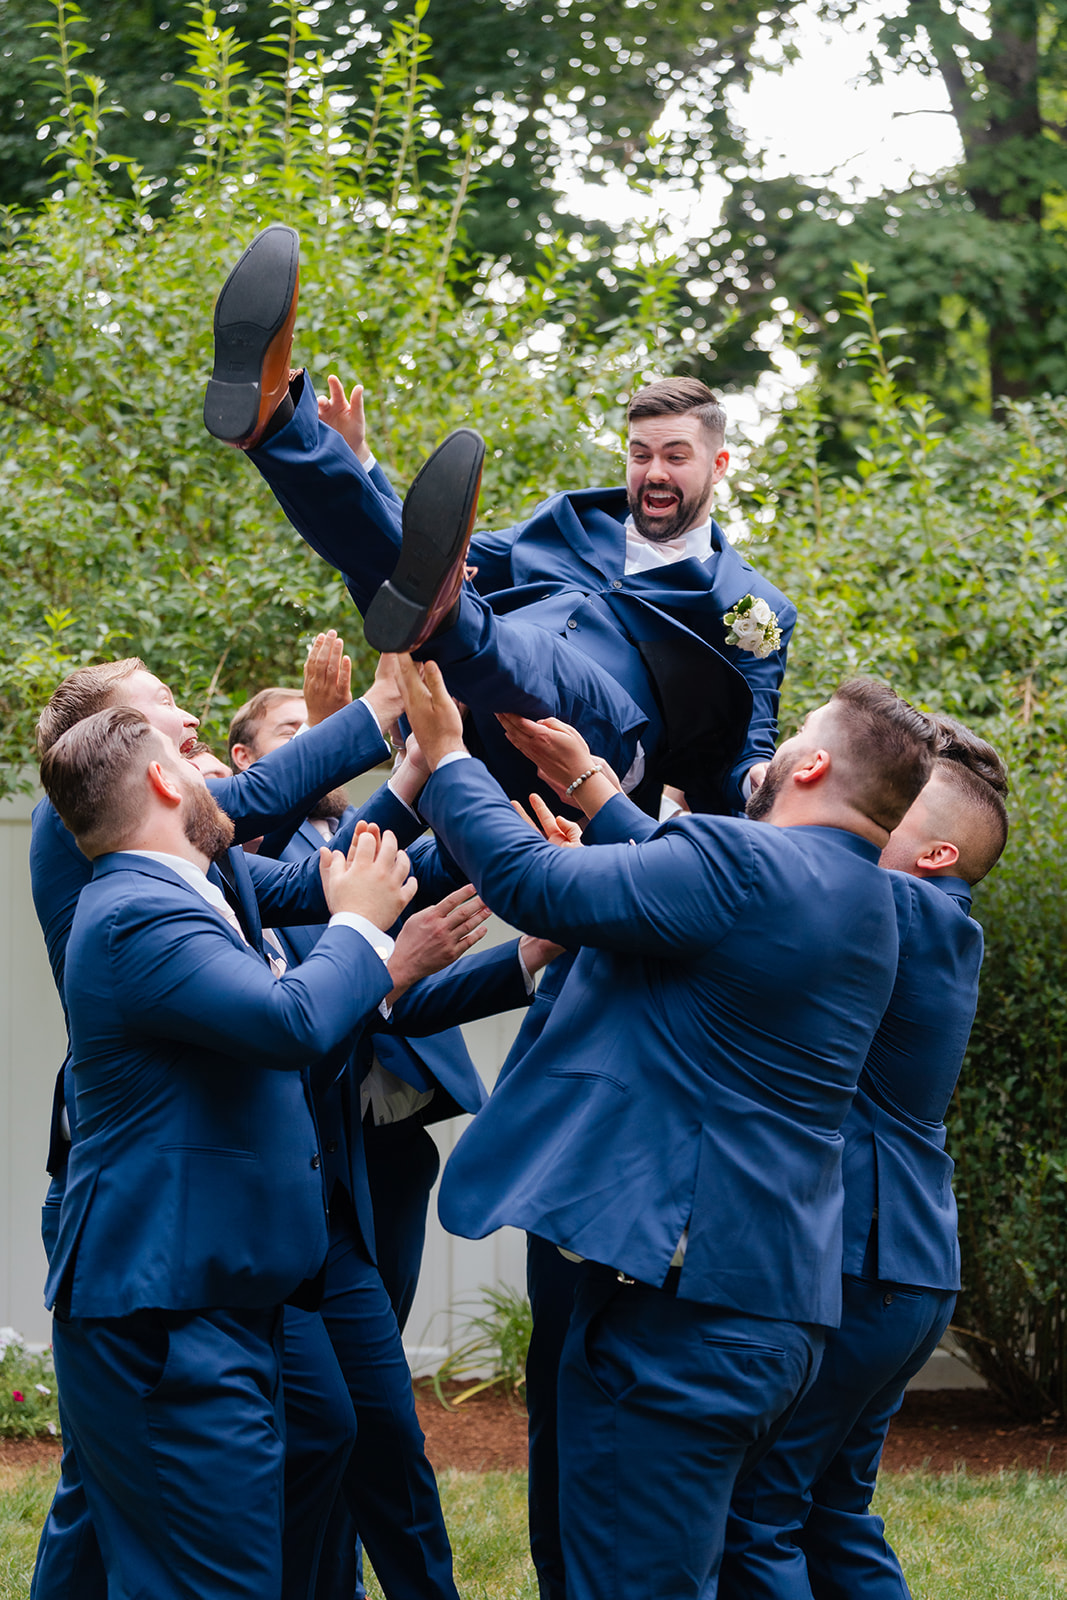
231	410
392	622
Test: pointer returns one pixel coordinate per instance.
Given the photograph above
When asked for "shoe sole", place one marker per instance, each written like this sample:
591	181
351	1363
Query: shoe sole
256	302
438	517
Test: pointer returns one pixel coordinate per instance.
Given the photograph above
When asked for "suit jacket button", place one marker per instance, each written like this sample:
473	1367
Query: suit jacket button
331	1146
316	1160
887	1299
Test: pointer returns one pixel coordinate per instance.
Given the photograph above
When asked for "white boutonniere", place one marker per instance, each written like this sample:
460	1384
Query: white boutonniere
752	625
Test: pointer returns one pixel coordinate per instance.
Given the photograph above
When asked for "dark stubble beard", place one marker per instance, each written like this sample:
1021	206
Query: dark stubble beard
207	827
687	514
761	801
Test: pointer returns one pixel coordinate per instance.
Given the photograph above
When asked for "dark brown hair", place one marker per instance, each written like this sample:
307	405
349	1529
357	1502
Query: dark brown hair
889	749
92	776
679	397
244	727
976	782
86	691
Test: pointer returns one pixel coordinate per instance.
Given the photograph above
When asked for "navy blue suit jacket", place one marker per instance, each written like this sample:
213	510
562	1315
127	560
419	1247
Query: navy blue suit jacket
267	795
564	567
898	1174
562	570
697	1065
276	792
409	1045
195	1179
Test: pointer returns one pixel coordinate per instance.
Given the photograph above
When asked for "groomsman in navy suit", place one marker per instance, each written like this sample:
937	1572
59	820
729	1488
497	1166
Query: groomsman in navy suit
801	1527
677	1123
276	796
615	609
402	1079
194	1203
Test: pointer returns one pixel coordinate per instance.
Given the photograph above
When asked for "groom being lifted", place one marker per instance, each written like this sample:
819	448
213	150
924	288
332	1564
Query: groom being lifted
624	611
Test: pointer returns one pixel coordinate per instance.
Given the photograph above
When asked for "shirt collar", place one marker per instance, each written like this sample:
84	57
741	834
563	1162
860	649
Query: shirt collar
641	553
188	870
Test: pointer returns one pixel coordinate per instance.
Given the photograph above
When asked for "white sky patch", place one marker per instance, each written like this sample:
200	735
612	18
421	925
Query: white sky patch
818	118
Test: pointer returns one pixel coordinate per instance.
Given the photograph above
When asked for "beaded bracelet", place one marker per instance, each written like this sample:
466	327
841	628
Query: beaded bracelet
593	770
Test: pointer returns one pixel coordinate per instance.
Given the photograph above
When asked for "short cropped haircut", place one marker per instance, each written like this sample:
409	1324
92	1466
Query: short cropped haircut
679	397
92	775
888	751
976	782
247	718
86	691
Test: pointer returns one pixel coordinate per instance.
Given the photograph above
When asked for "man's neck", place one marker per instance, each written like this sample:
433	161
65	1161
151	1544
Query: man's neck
790	811
164	842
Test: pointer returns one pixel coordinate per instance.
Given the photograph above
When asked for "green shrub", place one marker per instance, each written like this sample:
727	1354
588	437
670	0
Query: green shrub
125	529
28	1406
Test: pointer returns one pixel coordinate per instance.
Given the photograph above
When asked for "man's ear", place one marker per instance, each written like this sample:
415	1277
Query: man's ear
164	784
241	757
939	856
812	769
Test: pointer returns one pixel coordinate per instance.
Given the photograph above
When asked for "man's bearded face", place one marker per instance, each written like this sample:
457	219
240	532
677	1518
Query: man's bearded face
207	827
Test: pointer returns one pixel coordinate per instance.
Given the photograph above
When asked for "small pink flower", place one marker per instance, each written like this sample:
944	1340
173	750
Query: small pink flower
18	1396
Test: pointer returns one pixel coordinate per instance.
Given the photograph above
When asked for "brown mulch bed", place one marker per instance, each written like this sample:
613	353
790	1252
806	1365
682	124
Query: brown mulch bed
942	1427
938	1430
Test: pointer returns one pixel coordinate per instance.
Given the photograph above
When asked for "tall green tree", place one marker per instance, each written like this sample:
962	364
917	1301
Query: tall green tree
971	263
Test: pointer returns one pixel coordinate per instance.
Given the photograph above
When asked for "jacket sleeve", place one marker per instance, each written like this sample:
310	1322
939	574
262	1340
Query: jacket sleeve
676	894
480	984
289	891
181	976
764	678
279	790
619	821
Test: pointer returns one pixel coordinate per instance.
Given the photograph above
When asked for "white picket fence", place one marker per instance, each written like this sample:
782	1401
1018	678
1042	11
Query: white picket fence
32	1044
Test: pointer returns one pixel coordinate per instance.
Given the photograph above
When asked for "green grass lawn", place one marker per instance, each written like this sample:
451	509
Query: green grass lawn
959	1537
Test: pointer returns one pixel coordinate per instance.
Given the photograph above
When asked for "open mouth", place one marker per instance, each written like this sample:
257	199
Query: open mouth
658	502
187	746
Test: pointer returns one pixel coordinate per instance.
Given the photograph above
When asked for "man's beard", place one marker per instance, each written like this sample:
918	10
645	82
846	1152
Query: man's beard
687	514
207	827
761	800
334	804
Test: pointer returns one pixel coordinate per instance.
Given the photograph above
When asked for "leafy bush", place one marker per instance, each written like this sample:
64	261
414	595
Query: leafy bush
28	1406
125	529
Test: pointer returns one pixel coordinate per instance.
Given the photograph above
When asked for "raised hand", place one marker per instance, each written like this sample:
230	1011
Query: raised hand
557	830
436	937
327	677
558	751
373	880
384	696
345	415
435	718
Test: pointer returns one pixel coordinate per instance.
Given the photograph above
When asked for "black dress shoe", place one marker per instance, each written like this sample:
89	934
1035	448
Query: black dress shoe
420	597
254	318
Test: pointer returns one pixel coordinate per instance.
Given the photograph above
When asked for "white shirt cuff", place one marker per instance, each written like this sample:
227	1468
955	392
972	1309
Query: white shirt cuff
527	975
370	463
747	786
380	942
399	798
453	755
